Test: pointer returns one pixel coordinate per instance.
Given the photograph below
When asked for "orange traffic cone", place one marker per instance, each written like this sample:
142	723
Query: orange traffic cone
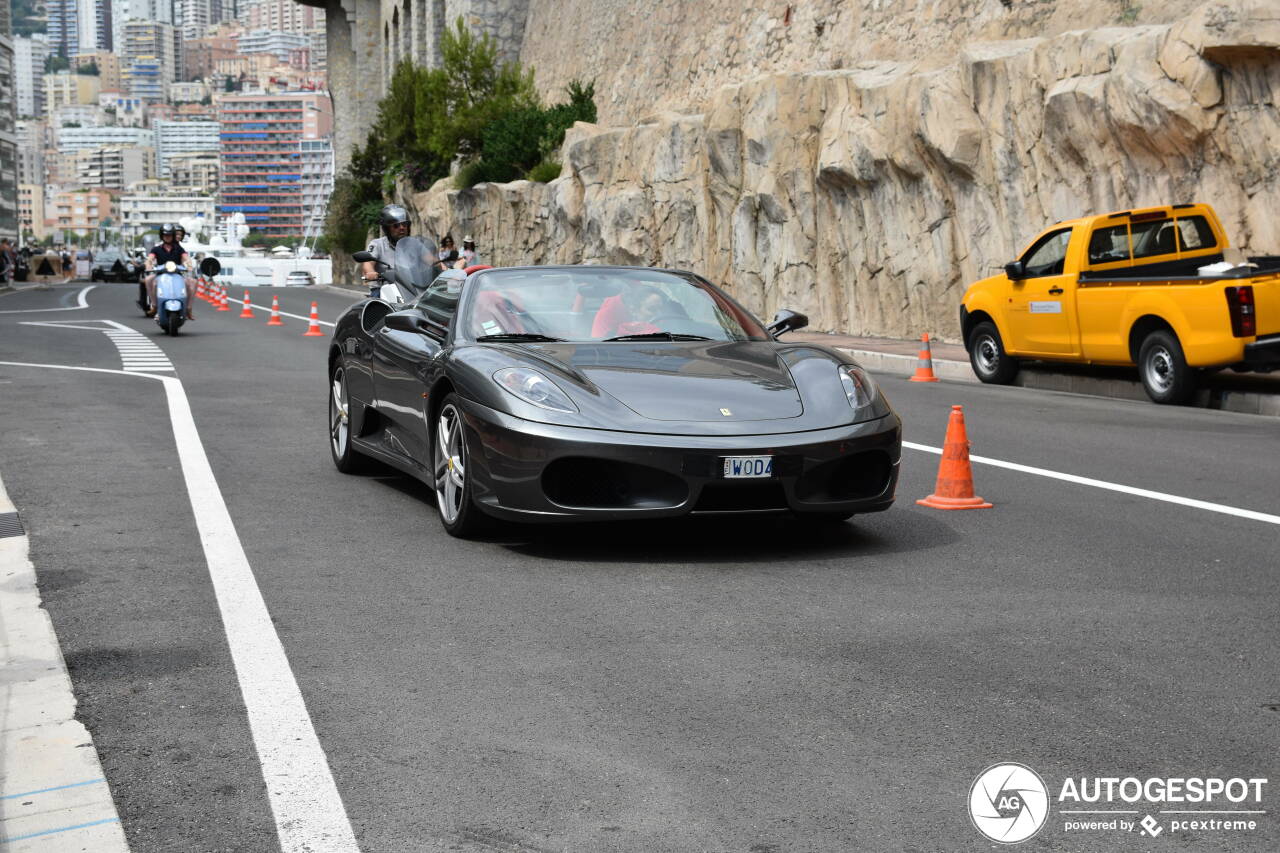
199	288
955	476
248	308
313	330
924	365
223	304
275	312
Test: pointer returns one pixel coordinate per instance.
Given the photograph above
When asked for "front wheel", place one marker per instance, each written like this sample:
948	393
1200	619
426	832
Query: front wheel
171	324
1164	371
991	364
451	466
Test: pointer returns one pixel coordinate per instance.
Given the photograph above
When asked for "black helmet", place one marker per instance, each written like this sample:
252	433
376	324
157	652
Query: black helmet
168	228
392	214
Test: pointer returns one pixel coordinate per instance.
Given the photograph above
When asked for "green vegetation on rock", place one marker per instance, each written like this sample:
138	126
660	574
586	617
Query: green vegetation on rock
473	110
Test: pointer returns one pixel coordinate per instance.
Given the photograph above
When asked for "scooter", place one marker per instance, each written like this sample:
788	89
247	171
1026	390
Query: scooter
171	298
171	293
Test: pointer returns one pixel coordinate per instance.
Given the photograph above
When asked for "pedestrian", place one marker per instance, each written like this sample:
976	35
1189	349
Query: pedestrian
67	266
8	261
469	257
448	252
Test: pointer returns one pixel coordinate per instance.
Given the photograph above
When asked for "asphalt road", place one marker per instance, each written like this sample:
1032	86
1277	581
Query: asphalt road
752	685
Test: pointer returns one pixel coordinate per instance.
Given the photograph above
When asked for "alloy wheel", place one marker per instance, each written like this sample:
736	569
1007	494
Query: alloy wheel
450	464
339	426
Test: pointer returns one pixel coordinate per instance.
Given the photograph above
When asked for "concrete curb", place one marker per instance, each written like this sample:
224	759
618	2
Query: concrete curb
1044	379
53	795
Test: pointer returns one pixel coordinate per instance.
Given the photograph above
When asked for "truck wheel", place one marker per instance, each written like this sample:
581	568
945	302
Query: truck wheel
1164	371
990	362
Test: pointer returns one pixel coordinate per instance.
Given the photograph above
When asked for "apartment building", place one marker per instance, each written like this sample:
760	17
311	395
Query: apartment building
29	55
114	167
67	88
261	156
85	138
81	212
199	170
183	137
31	210
151	204
8	128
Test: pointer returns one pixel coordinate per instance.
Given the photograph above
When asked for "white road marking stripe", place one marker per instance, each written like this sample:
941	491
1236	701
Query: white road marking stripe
137	353
267	308
1111	487
81	303
309	814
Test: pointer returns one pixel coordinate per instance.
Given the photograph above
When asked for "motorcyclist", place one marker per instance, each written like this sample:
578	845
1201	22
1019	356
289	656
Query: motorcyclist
168	249
394	220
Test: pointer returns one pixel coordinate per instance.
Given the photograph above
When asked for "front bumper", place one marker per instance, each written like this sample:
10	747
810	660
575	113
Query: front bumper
527	471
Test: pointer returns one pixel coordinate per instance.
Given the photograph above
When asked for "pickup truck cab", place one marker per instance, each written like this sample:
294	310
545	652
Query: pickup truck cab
1159	288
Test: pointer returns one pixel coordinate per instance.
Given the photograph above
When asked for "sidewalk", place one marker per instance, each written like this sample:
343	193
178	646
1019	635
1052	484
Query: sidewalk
1251	393
53	797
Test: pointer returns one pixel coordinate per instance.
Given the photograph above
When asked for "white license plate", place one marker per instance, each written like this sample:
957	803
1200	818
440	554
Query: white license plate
739	467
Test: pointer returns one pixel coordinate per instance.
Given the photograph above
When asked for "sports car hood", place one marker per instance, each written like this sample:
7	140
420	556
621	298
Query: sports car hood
720	381
677	388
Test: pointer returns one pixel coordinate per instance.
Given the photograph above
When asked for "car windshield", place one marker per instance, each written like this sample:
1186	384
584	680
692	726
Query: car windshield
586	304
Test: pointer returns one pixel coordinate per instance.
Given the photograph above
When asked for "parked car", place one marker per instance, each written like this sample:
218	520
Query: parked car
588	393
299	278
111	265
1159	288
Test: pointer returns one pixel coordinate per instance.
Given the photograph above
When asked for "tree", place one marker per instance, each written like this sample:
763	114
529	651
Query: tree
90	68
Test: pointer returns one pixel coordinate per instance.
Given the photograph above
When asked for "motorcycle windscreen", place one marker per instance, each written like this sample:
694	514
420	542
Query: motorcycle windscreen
414	266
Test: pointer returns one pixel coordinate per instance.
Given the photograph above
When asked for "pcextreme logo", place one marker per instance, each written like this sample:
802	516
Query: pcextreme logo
1009	803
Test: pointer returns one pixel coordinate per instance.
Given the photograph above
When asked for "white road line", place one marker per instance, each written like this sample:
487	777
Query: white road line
309	814
267	308
81	303
137	352
1111	487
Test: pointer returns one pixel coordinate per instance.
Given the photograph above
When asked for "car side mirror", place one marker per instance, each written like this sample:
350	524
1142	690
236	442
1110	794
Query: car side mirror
787	321
362	256
210	267
1015	270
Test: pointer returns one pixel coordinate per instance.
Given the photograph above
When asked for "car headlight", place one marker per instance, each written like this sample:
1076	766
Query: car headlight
534	388
858	386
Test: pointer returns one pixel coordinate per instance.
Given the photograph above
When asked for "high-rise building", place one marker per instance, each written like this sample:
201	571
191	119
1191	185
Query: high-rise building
71	139
276	43
62	27
115	166
153	42
29	55
280	16
8	127
30	135
193	17
262	136
317	182
66	88
183	137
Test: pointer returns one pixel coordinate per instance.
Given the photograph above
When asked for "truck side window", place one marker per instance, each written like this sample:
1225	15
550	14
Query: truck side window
1109	244
1048	255
1153	238
1194	233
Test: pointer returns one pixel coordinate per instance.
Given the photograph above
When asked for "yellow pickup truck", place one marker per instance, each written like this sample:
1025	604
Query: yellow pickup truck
1157	287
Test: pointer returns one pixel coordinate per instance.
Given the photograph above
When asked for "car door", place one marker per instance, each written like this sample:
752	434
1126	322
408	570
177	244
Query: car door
407	349
1042	302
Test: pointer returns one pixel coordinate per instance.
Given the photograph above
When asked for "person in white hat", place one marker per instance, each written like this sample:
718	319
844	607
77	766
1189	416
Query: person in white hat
469	257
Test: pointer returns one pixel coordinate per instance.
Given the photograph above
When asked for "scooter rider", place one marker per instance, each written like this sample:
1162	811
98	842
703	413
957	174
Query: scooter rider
169	249
395	225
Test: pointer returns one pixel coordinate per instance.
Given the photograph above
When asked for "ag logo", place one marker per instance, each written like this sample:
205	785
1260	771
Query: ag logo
1008	803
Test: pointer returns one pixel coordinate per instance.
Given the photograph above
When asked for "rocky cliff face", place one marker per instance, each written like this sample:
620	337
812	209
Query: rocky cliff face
869	197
